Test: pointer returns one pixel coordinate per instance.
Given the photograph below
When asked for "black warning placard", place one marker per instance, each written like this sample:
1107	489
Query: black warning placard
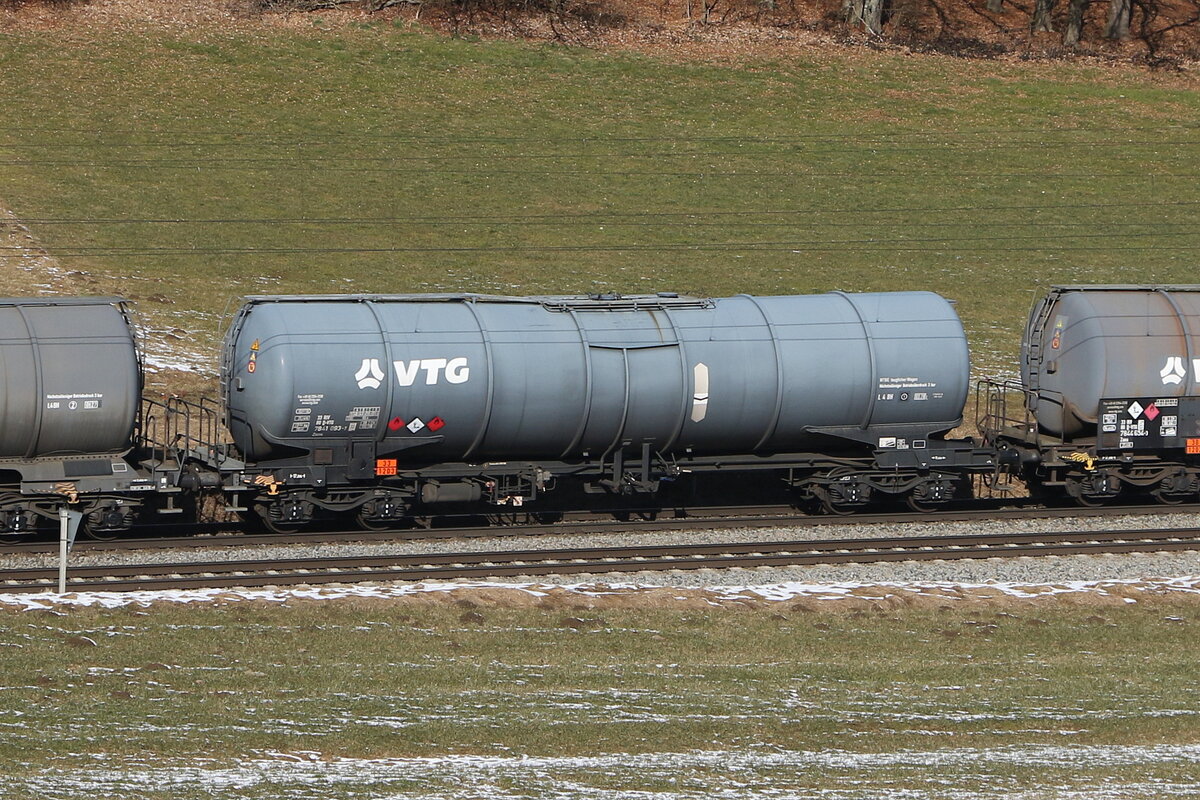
1148	423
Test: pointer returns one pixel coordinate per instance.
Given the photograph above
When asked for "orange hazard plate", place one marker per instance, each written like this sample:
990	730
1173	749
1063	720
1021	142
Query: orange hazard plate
387	466
1193	446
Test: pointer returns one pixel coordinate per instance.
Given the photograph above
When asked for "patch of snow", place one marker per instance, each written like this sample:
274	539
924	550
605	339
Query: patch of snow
180	360
780	592
1022	772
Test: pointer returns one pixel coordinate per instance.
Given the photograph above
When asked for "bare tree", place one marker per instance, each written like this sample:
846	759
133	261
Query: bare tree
1074	31
1043	16
1119	12
852	12
873	16
867	13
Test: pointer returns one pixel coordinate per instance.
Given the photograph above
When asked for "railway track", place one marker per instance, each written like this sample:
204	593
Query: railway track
671	520
597	560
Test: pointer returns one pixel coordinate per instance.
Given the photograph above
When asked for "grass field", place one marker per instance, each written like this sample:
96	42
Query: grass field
356	699
187	166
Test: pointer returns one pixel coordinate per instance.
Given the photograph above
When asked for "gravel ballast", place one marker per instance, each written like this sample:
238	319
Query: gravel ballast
1045	569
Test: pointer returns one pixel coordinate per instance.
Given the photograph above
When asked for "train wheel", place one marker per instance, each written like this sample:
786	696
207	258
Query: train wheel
1170	498
1175	489
838	509
111	520
921	504
832	505
933	495
369	524
1092	500
274	524
18	524
844	495
382	513
281	527
91	531
1094	491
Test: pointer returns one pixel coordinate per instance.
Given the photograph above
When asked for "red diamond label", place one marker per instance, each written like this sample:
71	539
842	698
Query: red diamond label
395	424
435	424
1152	412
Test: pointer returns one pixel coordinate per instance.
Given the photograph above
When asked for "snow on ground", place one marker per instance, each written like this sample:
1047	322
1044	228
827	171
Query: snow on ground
180	360
1078	772
615	594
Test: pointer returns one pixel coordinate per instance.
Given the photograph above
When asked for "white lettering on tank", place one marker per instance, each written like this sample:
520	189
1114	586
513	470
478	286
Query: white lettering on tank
455	370
406	371
432	367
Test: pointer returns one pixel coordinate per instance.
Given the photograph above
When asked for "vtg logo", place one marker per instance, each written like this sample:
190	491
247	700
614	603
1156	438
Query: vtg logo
455	370
1174	371
369	375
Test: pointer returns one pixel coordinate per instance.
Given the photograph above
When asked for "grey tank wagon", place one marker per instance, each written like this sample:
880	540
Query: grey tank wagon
71	375
1109	399
379	405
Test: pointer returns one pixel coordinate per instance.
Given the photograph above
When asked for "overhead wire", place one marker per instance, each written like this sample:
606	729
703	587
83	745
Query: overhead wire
260	135
689	218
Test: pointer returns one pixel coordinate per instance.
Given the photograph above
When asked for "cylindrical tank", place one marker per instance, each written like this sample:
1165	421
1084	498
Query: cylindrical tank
1087	343
475	378
71	377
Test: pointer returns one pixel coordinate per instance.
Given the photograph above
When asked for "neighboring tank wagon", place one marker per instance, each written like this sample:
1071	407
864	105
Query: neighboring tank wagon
1110	377
1087	344
72	384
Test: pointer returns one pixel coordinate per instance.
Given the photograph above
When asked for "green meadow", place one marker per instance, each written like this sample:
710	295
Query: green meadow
187	167
360	700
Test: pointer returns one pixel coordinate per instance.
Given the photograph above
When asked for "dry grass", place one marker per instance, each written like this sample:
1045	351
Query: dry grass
735	32
175	686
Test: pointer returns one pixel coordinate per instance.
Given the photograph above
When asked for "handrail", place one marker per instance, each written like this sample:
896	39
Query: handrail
174	430
992	414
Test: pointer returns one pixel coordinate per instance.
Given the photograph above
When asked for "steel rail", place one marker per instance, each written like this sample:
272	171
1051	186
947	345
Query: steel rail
443	566
710	518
